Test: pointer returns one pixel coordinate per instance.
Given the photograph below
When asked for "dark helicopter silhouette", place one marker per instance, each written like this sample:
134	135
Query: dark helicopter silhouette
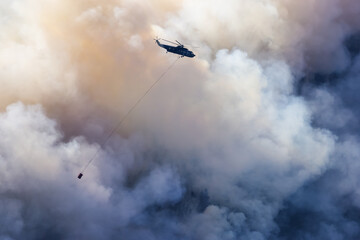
178	49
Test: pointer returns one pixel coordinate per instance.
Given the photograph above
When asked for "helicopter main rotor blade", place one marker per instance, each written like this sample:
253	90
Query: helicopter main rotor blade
181	44
191	46
169	41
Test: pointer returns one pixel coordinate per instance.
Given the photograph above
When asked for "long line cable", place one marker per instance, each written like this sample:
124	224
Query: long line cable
124	118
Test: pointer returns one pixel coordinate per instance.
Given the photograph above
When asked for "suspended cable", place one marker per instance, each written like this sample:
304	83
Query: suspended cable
124	118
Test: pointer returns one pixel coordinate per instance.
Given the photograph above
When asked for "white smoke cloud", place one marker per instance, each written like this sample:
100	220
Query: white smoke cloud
218	150
38	182
308	34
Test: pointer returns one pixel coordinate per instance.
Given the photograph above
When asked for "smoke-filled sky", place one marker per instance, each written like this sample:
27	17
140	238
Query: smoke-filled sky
255	138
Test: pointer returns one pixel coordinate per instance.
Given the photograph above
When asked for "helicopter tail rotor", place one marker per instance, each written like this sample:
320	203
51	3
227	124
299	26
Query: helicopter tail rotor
157	40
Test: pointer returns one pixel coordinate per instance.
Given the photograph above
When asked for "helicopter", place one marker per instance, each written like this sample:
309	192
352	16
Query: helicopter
178	49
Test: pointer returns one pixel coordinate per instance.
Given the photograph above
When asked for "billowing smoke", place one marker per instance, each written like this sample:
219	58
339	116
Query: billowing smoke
254	138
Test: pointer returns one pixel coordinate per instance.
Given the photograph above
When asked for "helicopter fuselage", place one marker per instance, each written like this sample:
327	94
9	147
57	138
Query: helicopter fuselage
181	50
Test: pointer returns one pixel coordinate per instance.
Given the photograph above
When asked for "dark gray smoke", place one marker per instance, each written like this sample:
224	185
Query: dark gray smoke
256	138
328	206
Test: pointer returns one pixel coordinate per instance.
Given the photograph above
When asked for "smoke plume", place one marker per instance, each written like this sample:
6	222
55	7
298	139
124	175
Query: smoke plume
254	138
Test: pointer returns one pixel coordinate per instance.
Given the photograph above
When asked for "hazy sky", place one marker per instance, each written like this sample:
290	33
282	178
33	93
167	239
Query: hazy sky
255	138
